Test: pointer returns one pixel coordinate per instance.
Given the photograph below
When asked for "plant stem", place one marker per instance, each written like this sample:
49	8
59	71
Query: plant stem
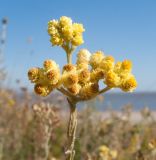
71	133
104	90
65	92
69	58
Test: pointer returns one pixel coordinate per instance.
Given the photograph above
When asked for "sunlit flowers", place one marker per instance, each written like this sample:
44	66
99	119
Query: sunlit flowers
46	78
64	31
82	79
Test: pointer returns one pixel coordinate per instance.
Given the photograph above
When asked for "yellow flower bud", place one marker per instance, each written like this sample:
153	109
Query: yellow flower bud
96	75
96	59
78	28
69	67
107	64
72	78
117	67
129	84
56	40
77	40
53	23
83	56
82	66
64	21
52	31
126	65
42	90
109	58
50	64
89	90
84	76
63	31
52	27
53	76
112	79
33	74
74	89
67	32
69	79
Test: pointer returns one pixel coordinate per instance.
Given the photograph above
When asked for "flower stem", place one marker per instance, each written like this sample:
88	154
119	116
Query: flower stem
71	133
69	58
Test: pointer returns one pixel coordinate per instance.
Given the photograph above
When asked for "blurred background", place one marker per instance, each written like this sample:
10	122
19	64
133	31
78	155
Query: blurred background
123	29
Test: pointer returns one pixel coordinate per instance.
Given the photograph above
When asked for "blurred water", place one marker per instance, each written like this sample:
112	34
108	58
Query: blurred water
108	100
137	100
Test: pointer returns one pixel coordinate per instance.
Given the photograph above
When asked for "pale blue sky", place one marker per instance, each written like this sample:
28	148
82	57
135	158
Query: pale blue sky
125	29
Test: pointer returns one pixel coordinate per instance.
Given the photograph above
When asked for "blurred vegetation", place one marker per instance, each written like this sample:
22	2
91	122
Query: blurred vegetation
38	131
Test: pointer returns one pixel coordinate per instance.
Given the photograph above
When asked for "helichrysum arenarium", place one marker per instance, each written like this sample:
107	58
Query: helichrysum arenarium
80	79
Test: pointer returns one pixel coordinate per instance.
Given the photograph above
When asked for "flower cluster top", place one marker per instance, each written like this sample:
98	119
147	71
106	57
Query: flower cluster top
80	79
65	32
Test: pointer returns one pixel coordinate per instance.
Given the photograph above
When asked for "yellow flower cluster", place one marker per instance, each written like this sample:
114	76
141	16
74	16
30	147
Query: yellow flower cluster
82	78
63	32
106	153
115	75
46	78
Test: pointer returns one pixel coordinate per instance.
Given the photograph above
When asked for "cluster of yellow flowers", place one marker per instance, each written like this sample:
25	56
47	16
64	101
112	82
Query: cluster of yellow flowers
46	78
106	153
83	78
64	32
115	75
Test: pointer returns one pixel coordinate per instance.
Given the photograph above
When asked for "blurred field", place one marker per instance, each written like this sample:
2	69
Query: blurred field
38	131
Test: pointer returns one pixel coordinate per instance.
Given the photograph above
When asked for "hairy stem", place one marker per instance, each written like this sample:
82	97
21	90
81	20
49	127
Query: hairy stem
71	132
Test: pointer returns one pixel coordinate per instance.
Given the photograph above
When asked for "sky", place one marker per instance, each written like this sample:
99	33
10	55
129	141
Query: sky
125	29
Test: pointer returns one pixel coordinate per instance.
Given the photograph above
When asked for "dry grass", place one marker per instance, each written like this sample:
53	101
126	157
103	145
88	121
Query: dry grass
38	132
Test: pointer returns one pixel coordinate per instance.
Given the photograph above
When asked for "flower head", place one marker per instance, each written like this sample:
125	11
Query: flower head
49	64
97	74
42	90
69	79
74	89
80	79
84	76
126	65
96	59
129	84
107	63
112	79
83	56
63	31
33	74
89	90
53	76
